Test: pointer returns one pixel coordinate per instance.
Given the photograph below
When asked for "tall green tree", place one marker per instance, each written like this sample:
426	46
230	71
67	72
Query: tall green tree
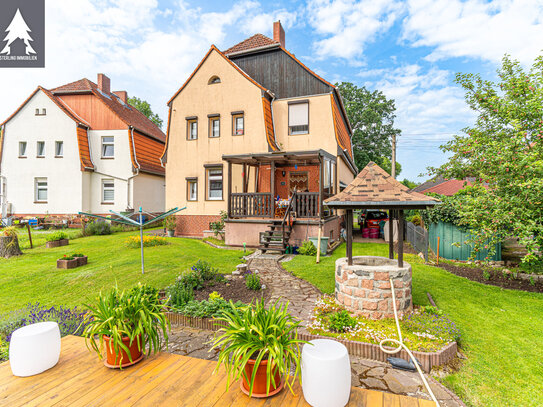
371	116
144	107
504	151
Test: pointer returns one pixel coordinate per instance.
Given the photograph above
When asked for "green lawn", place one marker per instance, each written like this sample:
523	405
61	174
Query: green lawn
34	277
502	330
38	236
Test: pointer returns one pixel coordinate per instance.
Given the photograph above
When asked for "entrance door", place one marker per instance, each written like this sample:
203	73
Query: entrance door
298	180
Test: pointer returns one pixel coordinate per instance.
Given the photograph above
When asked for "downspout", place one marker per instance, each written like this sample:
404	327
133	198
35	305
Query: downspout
137	170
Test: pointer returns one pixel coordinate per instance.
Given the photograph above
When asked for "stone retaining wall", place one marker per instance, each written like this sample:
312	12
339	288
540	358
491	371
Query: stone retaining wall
364	288
362	349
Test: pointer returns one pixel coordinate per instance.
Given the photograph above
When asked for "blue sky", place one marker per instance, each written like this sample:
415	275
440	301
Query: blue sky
409	49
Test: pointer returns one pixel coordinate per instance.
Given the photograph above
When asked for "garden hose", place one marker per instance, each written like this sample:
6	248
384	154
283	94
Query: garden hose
401	345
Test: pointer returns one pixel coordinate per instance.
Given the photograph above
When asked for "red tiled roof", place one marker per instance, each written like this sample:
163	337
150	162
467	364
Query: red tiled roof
342	134
256	41
128	114
448	187
146	156
375	185
268	121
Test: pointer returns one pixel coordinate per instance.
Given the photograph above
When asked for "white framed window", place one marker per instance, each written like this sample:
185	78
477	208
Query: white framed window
40	189
214	127
41	112
108	191
40	149
214	183
59	148
192	129
192	189
238	125
22	148
298	118
108	147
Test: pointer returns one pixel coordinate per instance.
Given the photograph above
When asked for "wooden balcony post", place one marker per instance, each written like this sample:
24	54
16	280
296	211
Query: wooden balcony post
229	203
349	224
321	187
272	188
244	177
391	234
400	238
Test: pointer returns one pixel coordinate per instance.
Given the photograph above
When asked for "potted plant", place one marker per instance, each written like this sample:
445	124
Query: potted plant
67	262
56	239
259	346
81	259
125	324
169	224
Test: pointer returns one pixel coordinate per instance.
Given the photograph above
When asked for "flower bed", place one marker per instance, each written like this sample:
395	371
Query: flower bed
148	241
71	261
424	330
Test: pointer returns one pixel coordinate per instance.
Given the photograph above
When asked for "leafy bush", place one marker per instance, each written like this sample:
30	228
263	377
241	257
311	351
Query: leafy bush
78	255
341	321
218	226
98	227
179	294
70	320
416	220
169	222
145	290
58	235
252	281
214	307
66	257
134	242
307	249
204	270
447	211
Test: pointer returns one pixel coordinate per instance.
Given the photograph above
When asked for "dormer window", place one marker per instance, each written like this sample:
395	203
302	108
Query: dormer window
213	80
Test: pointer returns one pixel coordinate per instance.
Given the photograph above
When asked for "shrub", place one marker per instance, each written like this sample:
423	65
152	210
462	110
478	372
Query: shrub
148	241
218	226
212	308
4	350
58	235
252	281
215	296
78	255
308	249
416	220
66	257
179	294
341	321
70	320
204	270
169	222
98	227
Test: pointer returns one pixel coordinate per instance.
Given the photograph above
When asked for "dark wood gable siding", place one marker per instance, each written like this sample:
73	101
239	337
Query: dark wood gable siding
278	72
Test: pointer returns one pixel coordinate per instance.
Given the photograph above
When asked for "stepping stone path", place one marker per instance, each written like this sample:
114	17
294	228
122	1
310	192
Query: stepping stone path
302	295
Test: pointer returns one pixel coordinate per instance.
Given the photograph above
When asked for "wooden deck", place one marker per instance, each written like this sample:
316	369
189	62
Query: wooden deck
79	379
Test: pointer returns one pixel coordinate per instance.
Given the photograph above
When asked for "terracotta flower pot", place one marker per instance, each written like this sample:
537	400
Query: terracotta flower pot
259	386
122	360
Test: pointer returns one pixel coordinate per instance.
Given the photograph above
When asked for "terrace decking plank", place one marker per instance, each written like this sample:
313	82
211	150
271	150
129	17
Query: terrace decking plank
426	403
80	379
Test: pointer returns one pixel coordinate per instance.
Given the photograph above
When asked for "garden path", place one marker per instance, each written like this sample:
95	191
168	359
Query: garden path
302	295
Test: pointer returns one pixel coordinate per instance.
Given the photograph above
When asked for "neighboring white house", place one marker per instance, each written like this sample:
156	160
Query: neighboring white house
80	148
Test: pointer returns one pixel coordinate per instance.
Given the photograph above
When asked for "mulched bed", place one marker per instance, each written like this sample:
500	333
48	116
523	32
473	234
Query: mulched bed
234	290
496	277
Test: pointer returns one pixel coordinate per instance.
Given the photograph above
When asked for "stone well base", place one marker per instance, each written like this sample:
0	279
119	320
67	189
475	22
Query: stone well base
364	288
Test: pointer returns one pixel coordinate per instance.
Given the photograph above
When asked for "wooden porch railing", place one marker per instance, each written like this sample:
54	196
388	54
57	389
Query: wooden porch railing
261	204
307	205
251	204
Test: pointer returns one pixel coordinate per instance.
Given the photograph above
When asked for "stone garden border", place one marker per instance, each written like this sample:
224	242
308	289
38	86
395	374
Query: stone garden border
364	350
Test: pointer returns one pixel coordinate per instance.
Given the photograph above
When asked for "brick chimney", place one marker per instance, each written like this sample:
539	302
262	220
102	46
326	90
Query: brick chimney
104	84
279	33
122	95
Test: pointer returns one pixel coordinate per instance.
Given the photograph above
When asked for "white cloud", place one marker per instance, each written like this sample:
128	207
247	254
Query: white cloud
263	22
147	50
476	28
347	25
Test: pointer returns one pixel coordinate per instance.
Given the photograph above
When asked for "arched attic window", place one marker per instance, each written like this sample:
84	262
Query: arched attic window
214	79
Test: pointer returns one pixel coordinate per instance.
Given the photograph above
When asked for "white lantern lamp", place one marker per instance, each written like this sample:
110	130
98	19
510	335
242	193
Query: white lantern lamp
326	373
34	348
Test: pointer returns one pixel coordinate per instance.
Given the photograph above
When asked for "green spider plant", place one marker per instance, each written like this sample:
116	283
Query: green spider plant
136	314
254	332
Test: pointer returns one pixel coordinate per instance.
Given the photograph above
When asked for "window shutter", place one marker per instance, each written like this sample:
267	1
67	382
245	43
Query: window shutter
298	114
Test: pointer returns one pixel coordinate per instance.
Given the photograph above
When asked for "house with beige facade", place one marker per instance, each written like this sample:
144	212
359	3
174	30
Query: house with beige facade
80	148
254	132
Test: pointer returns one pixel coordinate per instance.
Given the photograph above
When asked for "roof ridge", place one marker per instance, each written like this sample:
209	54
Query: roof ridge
247	43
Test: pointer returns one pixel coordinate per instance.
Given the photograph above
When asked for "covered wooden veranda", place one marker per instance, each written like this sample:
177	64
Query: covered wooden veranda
261	202
374	188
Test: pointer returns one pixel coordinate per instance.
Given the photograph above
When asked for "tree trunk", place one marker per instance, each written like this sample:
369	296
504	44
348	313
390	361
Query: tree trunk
9	246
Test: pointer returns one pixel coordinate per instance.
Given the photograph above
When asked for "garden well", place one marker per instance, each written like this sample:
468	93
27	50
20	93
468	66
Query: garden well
364	286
